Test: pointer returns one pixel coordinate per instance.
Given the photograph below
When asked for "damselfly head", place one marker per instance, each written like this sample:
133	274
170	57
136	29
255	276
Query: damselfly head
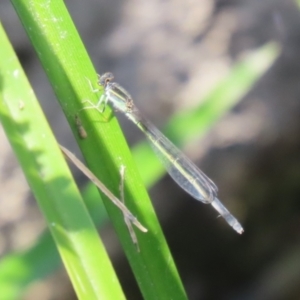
105	79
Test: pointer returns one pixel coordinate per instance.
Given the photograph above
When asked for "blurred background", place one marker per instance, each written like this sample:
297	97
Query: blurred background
169	55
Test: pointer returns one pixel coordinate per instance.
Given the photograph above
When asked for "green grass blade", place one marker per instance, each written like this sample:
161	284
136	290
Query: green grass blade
19	270
53	186
67	65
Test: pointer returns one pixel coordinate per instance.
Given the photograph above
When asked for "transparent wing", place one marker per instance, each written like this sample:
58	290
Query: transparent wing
180	168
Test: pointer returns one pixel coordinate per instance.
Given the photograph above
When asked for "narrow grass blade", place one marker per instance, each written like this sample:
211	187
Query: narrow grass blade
51	182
